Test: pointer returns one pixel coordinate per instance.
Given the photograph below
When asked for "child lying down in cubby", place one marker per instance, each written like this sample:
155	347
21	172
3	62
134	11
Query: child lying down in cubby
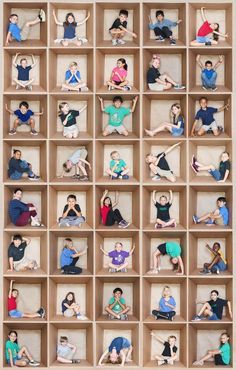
168	355
219	216
73	81
163	215
118	168
109	215
166	306
218	262
221	174
117	308
71	215
66	351
69	257
78	161
119	28
70	308
68	120
119	352
23	81
118	255
16	255
17	167
171	249
118	79
18	355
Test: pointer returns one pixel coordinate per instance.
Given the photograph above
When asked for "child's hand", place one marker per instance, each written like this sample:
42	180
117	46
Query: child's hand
198	57
152	334
135	99
207	246
226	35
105	192
134	35
221	58
101	247
179	21
100	99
89	166
88	14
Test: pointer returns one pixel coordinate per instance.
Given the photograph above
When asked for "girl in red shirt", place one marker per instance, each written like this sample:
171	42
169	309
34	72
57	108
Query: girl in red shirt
110	215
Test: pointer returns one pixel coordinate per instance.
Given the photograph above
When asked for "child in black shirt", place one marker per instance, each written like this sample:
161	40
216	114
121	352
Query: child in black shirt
221	174
23	80
169	354
72	215
163	215
119	28
68	120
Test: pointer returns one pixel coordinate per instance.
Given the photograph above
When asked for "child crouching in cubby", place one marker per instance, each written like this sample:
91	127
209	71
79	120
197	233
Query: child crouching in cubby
72	215
109	215
118	79
118	256
218	263
171	249
208	72
118	168
69	257
78	161
221	356
163	215
23	80
17	167
73	80
68	120
119	352
70	308
168	355
16	355
66	351
221	174
119	28
117	308
166	306
219	216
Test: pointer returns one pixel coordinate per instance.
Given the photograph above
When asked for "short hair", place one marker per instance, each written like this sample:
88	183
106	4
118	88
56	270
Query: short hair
71	196
221	199
16	150
203	98
163	196
63	338
124	12
24	104
21	60
159	12
119	243
16	190
215	291
118	290
68	239
65	167
17	237
113	152
116	98
225	152
13	15
208	62
172	337
15	290
73	64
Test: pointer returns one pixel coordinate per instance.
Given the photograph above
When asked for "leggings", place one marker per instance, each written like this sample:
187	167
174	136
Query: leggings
113	217
24	218
72	269
164	32
163	315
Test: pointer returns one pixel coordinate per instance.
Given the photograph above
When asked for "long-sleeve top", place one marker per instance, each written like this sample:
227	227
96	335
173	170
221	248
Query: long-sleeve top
16	208
165	23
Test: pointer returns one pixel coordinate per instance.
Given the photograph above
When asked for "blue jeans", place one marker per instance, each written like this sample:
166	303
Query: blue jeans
16	175
220	265
209	82
71	221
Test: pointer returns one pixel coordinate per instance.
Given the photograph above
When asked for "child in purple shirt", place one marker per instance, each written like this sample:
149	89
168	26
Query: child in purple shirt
118	256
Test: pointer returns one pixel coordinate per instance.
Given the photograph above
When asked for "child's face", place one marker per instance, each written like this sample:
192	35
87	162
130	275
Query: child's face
115	156
65	109
64	343
70	19
175	110
160	18
172	341
24	63
69	165
118	247
73	69
69	244
163	201
214	296
224	157
17	242
214	26
23	109
224	338
216	247
71	202
107	202
150	158
123	18
220	203
174	260
117	104
166	292
70	297
119	64
156	62
117	295
17	155
14	19
15	293
113	356
12	337
203	103
208	66
18	195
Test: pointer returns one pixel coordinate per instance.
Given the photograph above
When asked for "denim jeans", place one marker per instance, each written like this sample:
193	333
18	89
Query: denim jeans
71	221
16	175
209	82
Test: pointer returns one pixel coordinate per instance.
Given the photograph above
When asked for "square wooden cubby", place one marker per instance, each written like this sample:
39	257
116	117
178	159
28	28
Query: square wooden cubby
172	11
32	193
152	293
223	119
58	195
173	63
128	195
204	337
37	73
131	294
108	239
80	12
106	332
107	13
26	11
34	152
151	240
153	347
224	77
33	336
60	59
106	59
176	159
60	286
80	241
220	13
60	152
78	334
37	103
202	200
35	288
76	102
36	250
129	151
200	289
156	110
177	210
208	152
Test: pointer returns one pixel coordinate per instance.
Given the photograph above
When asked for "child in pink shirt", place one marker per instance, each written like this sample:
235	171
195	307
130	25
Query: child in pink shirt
118	78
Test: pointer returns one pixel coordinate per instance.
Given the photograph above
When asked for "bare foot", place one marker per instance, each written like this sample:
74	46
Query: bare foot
149	133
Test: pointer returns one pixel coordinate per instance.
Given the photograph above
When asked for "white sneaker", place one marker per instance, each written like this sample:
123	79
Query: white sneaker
121	42
83	40
42	15
114	42
35	222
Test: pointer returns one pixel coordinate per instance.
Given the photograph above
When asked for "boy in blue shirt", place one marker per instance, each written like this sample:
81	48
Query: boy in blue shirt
220	216
23	80
162	27
208	72
73	80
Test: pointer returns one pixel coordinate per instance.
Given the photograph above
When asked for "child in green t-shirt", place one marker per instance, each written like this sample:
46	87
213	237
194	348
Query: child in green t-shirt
118	168
117	114
116	307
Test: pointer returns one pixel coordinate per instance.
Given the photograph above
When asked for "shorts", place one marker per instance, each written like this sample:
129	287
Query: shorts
216	174
126	343
24	122
120	129
14	360
73	130
213	317
23	263
68	355
164	173
15	314
117	82
219	221
156	86
69	312
203	39
218	360
162	248
24	32
177	131
212	126
24	82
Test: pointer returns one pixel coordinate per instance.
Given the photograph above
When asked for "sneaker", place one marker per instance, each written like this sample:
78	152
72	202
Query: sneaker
12	131
111	270
76	176
124	224
170	361
41	312
160	38
214	88
217	271
123	317
156	177
126	88
75	361
83	40
208	43
121	42
18	87
36	222
179	87
123	270
29	87
209	222
111	88
204	88
194	167
205	272
195	219
42	15
34	363
33	178
125	177
114	42
196	318
34	132
220	128
172	42
83	178
84	89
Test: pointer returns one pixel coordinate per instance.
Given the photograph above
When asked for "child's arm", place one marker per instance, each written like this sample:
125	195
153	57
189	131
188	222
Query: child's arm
101	103
219	62
61	175
103	197
123	357
157	337
134	104
199	62
103	251
82	253
116	199
221	34
11	358
77	78
203	14
78	213
211	250
9	110
168	150
26	240
82	109
8	38
226	106
10	289
72	346
193	128
15	59
105	353
33	61
154	197
171	196
132	250
181	266
128	31
55	19
85	19
230	310
225	176
66	212
39	113
10	259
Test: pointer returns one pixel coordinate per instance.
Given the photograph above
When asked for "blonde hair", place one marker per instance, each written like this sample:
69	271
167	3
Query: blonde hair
157	56
165	288
113	152
175	117
73	64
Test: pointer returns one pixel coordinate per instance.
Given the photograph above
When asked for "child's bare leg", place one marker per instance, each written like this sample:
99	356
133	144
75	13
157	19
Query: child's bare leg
153	168
24	351
216	132
29	82
32	23
210	354
201	132
156	259
125	133
74	135
21	363
170	222
105	133
63	360
206	306
64	43
112	266
111	173
123	266
76	309
127	309
69	136
159	358
171	178
110	312
128	356
110	83
169	79
205	217
16	123
32	315
160	222
19	82
32	123
82	168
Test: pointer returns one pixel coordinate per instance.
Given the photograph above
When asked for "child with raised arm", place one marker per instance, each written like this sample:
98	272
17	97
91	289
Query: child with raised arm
204	32
119	28
117	308
23	80
16	355
221	174
163	215
66	351
17	167
70	36
206	115
118	168
14	32
117	114
221	356
78	161
73	81
69	257
208	72
219	216
162	27
71	215
110	215
169	354
16	255
171	249
218	262
119	352
68	120
118	256
166	306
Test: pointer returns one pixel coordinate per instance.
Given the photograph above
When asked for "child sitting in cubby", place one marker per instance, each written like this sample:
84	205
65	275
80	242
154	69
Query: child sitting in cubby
118	79
162	27
206	115
119	352
166	306
69	257
110	215
175	127
73	80
221	356
16	255
159	165
218	262
221	174
163	215
169	354
23	80
117	114
219	216
118	168
13	312
24	117
157	81
117	308
68	120
204	32
71	215
69	25
118	256
119	28
17	167
66	351
21	213
213	309
78	161
16	355
172	249
14	32
208	72
70	308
